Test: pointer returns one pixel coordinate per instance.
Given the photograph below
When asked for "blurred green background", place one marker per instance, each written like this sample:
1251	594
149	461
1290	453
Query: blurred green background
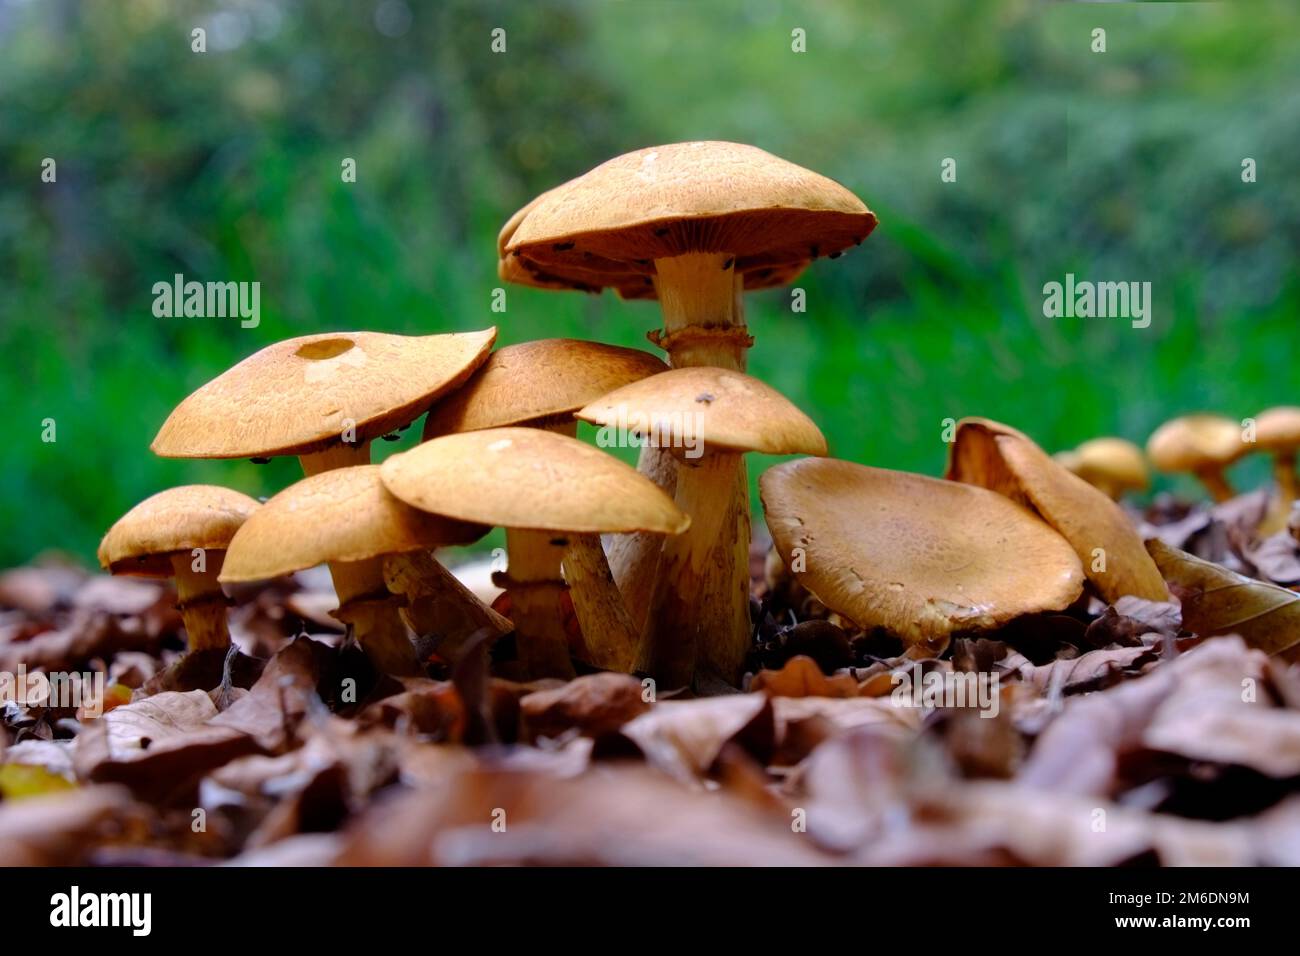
1123	165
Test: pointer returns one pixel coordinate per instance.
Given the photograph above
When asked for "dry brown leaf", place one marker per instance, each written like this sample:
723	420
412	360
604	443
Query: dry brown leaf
684	738
595	705
802	677
61	829
1218	601
1087	672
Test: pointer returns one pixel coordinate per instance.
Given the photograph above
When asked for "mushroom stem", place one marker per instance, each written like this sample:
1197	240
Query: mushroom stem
201	601
337	455
1214	481
697	584
634	558
438	605
366	604
702	326
1284	477
608	630
535	585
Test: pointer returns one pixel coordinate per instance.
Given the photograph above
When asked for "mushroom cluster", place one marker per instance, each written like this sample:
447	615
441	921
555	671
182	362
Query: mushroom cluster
653	563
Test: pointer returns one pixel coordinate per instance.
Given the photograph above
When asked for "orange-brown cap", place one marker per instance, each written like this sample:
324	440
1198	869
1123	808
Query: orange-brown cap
918	556
1194	442
1278	429
300	395
1002	459
142	541
336	516
715	407
530	479
682	198
536	381
1113	463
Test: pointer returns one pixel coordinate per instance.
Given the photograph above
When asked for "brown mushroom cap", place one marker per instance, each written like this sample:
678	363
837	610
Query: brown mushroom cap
535	381
1002	459
631	285
916	555
530	479
1278	429
682	198
1111	460
1193	442
297	396
142	541
340	515
716	406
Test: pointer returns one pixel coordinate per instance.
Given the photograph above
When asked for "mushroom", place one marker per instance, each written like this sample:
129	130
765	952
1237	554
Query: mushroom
526	479
345	518
540	384
1201	444
1111	465
1002	459
708	418
697	223
1277	431
322	398
182	533
919	557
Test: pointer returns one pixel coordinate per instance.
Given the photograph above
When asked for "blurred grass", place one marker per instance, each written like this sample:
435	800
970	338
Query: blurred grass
1123	165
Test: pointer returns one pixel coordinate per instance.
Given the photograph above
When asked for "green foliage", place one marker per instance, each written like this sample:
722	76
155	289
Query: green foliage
226	166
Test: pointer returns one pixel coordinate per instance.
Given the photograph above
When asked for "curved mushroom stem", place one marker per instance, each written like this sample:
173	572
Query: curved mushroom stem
1215	483
438	607
366	604
608	629
201	601
535	585
691	617
634	558
1284	477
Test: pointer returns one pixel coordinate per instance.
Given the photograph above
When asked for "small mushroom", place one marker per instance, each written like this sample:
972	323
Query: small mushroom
1002	459
919	557
1277	431
530	482
707	418
1111	465
345	518
1201	444
182	533
541	384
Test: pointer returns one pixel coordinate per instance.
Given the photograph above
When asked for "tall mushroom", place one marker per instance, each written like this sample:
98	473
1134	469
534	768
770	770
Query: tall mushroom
322	398
182	533
544	482
1277	432
1111	465
540	385
345	518
1003	459
919	557
707	418
1201	444
698	223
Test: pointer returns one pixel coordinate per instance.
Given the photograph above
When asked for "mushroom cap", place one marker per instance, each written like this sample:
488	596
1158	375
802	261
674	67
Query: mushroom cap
344	514
631	285
530	479
1192	442
916	555
177	520
1278	429
534	381
297	396
1113	460
716	406
1002	459
670	200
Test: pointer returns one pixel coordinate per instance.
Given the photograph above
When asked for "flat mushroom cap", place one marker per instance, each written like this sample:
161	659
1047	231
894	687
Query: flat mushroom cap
1113	459
681	198
1278	429
530	479
297	396
717	407
340	515
143	540
916	555
535	381
1193	442
1002	459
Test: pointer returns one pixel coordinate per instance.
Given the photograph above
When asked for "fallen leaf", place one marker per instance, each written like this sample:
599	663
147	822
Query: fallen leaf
684	738
802	677
61	829
595	705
